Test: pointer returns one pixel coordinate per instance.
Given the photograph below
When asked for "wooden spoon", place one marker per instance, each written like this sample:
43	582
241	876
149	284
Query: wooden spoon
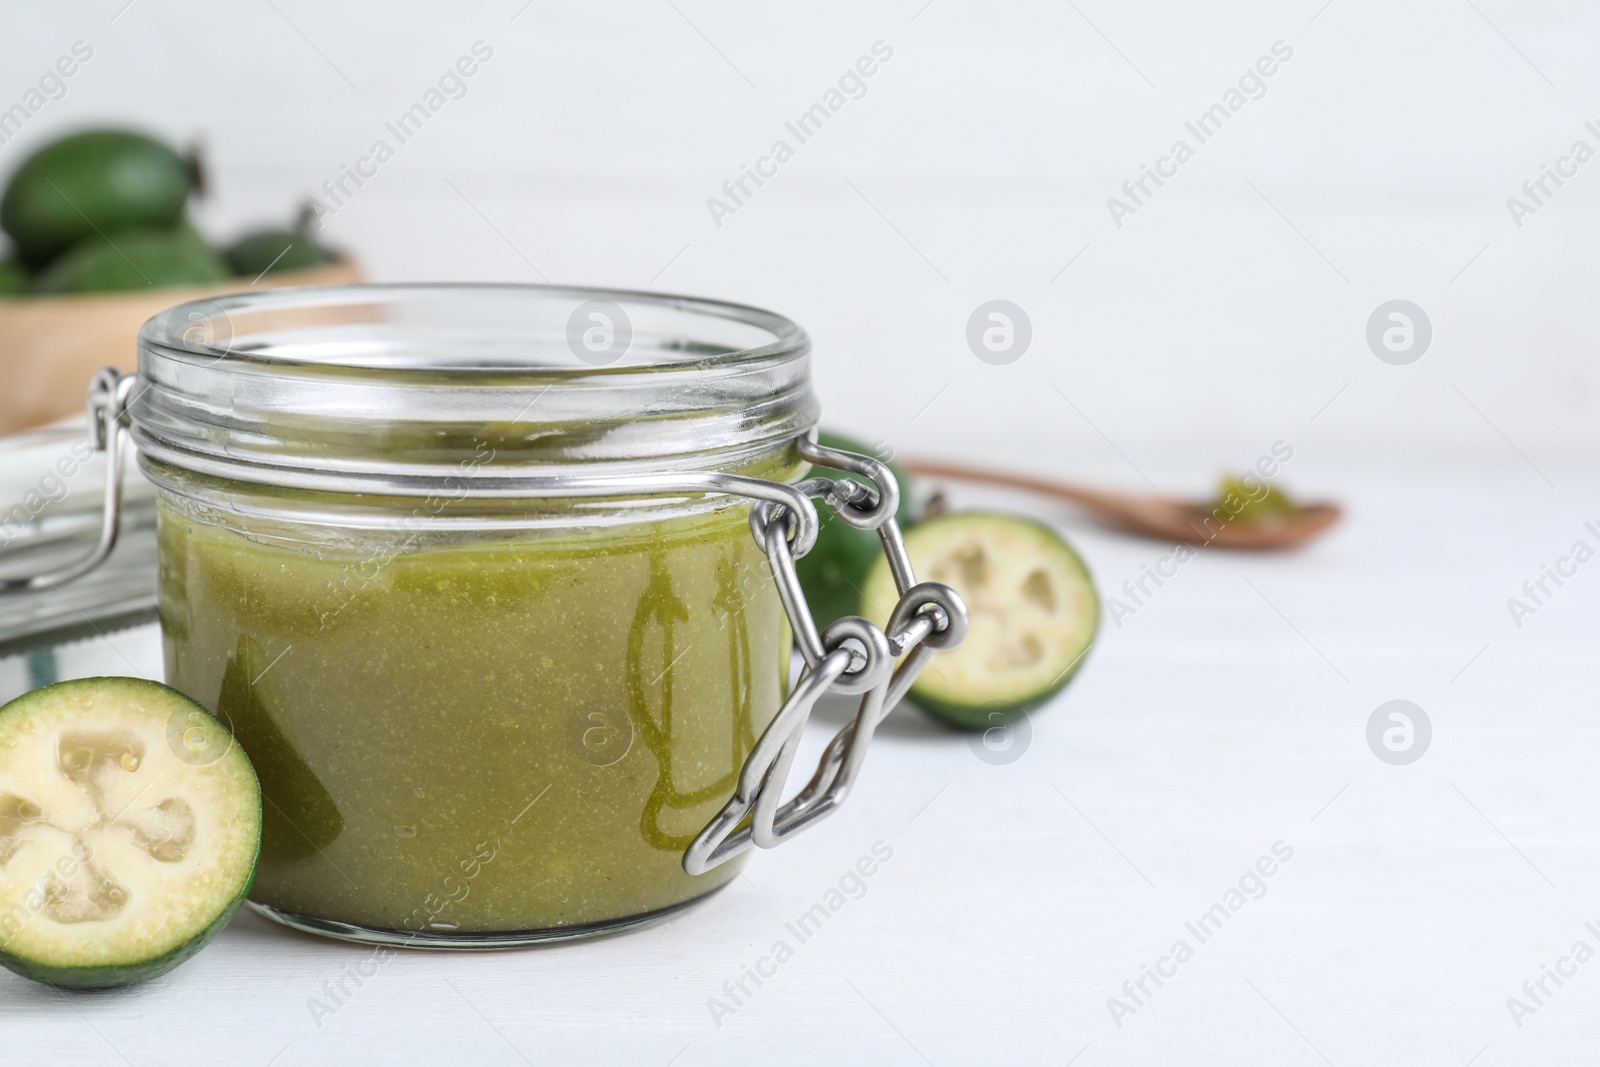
1162	517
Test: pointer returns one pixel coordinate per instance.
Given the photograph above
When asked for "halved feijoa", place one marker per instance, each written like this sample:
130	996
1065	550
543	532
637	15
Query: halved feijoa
1034	613
130	823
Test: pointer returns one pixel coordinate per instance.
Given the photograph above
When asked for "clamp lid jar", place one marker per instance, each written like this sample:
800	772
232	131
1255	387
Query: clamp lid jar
495	585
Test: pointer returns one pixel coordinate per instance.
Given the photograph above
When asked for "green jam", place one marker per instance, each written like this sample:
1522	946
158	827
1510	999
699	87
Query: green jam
478	733
1248	500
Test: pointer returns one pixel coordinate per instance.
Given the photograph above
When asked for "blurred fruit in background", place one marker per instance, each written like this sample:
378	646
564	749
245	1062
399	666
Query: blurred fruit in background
134	259
272	251
1035	611
13	278
101	240
91	183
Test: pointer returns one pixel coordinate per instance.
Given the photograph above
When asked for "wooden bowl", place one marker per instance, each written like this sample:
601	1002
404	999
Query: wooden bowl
50	346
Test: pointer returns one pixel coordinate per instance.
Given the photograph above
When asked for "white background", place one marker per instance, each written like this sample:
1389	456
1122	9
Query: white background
1228	313
586	149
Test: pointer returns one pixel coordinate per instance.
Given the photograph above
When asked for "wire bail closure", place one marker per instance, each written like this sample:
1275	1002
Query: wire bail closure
850	655
109	391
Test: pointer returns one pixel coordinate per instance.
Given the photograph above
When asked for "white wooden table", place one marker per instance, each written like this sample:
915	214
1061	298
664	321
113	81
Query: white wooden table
1226	715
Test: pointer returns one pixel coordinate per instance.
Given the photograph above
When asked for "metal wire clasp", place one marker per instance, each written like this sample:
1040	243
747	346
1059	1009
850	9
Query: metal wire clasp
108	408
850	655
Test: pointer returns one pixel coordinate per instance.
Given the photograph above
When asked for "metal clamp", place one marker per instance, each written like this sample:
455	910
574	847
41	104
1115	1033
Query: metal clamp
108	406
850	655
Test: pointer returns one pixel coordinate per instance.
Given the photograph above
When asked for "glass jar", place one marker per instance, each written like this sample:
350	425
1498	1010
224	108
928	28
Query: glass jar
469	571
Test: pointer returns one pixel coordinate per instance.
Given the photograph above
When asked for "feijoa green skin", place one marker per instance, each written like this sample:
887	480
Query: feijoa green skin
13	277
117	976
187	233
275	251
1034	614
130	828
90	183
133	259
835	570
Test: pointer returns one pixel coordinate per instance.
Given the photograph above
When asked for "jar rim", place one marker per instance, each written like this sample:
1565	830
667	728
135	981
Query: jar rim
190	328
390	388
